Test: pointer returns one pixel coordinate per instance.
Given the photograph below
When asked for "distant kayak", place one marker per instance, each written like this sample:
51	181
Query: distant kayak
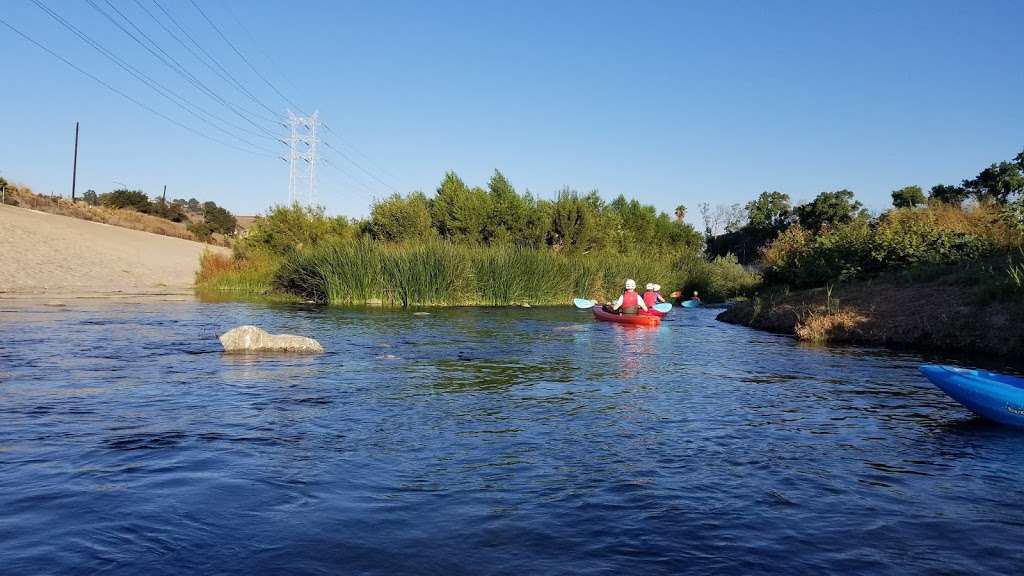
641	319
691	304
995	396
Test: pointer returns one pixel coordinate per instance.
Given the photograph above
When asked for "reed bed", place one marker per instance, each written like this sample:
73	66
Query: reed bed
251	277
439	273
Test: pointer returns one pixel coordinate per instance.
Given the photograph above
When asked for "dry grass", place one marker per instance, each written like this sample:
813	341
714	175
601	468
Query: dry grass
821	326
212	264
946	312
24	197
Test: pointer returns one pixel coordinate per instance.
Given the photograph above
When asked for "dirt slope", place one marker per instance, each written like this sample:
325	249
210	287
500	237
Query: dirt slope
46	254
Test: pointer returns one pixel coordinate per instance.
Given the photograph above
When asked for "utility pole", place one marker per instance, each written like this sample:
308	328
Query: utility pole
74	165
163	198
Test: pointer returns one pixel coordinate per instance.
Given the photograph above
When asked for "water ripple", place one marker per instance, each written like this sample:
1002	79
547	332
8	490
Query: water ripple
483	441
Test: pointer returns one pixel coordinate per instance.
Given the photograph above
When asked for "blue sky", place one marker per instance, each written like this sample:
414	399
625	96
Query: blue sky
666	102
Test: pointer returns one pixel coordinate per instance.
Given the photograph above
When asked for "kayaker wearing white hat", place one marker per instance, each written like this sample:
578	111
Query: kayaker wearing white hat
650	295
629	302
657	292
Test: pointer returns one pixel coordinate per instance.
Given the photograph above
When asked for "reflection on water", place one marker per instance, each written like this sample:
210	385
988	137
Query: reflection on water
483	441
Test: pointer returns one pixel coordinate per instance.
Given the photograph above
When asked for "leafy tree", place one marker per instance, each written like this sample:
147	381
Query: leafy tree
130	199
506	211
770	211
1019	160
908	197
680	213
202	230
219	219
90	197
194	205
172	211
575	222
830	209
459	213
397	219
997	182
948	194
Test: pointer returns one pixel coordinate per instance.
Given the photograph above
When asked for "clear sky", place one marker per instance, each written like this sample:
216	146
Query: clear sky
666	102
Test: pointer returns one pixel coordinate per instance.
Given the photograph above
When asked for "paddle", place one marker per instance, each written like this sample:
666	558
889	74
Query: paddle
663	307
584	304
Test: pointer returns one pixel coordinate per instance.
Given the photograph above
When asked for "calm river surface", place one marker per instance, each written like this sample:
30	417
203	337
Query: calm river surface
483	441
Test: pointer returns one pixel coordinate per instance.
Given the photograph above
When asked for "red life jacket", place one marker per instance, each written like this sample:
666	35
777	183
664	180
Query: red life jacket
650	298
629	299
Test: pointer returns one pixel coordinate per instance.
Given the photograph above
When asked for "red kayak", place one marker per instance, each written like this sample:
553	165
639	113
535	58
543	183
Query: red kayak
650	318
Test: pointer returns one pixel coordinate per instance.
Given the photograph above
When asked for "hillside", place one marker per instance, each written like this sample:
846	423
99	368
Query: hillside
47	254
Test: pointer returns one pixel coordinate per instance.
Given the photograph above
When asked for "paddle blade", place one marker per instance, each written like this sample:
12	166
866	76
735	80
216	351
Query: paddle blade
663	307
584	304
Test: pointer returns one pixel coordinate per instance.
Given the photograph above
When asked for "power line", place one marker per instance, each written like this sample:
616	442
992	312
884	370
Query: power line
176	66
170	62
289	101
163	91
216	66
360	167
252	40
126	96
244	59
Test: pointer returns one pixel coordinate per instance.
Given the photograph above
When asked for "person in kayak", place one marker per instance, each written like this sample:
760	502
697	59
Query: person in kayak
696	297
658	298
628	303
650	295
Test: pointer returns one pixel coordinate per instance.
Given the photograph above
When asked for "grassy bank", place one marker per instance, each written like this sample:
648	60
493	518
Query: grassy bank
438	273
976	308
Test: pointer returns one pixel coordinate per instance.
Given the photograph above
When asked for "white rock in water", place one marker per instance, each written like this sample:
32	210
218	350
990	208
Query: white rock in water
253	339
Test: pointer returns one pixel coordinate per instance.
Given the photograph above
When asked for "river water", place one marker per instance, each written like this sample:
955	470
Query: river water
483	441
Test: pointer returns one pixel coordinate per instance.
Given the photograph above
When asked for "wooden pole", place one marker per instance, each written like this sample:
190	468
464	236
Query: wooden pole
74	165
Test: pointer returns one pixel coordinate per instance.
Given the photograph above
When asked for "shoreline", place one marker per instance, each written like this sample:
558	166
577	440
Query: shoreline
937	316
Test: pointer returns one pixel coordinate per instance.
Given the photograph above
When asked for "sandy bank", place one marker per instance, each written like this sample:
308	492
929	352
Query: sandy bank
45	255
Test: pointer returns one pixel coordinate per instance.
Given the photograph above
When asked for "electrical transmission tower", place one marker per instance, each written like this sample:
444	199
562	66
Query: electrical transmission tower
303	157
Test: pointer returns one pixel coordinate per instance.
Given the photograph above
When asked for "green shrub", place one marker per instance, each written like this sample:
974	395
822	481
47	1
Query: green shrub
289	228
728	278
909	237
131	199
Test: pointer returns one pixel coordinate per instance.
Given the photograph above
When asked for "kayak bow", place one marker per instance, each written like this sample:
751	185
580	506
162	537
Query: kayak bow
995	396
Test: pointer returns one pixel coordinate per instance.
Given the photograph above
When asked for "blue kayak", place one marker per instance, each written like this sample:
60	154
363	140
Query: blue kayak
995	396
691	304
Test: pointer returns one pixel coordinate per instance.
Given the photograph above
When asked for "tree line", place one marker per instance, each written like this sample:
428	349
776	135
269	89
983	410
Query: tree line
498	215
202	218
750	228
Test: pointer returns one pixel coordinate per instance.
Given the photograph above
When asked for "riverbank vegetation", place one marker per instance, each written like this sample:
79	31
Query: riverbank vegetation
919	274
472	246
